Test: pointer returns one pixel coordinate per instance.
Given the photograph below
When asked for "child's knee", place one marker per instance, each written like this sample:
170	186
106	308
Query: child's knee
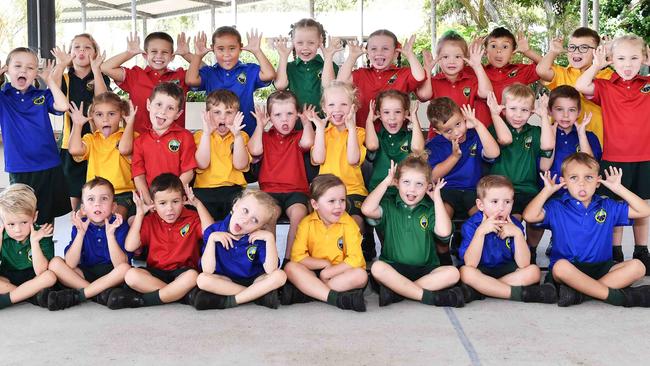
56	264
561	269
123	268
638	268
379	268
292	268
359	277
451	274
202	280
278	277
189	277
48	277
132	276
532	273
467	273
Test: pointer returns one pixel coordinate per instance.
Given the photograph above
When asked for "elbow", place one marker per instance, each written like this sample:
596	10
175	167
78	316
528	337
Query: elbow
125	151
505	142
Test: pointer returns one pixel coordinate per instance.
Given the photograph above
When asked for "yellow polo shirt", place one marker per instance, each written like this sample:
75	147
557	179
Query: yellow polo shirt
105	160
220	172
569	76
336	159
340	242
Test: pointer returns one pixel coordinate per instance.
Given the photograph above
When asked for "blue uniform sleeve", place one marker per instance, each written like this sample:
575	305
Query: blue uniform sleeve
206	234
120	236
467	234
73	235
204	73
621	211
49	102
260	254
549	208
254	70
595	145
437	152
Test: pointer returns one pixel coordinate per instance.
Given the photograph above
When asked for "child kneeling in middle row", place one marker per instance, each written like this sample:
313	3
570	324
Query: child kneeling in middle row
409	265
327	263
494	250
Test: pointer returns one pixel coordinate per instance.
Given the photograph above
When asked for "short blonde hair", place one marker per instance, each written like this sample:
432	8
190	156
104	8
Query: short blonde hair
582	159
266	201
349	90
492	181
518	91
630	38
18	199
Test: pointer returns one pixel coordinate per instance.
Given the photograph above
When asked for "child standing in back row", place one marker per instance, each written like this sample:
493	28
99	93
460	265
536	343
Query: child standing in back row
381	74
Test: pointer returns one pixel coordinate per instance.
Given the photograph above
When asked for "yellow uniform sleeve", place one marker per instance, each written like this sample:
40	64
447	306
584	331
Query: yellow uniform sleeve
361	138
300	249
353	253
87	140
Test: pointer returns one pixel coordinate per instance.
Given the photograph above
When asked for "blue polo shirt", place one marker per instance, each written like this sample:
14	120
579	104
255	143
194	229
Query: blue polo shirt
243	260
94	248
583	234
567	144
29	144
496	251
243	80
468	170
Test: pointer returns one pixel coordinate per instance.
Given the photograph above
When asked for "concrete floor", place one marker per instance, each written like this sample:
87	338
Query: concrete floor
488	332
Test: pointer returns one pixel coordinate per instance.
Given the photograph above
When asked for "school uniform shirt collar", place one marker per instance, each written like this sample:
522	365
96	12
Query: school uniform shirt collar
173	128
425	202
218	67
275	133
465	73
9	89
71	73
316	61
388	69
562	133
95	227
524	128
616	78
568	199
149	70
185	214
507	68
99	134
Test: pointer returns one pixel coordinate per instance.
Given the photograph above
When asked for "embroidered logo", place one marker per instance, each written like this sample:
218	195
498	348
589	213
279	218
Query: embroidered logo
424	222
38	101
90	86
472	150
358	204
645	89
251	251
232	147
174	145
512	73
320	75
404	147
241	78
508	243
184	230
29	254
577	147
601	215
392	79
339	243
528	142
466	91
175	81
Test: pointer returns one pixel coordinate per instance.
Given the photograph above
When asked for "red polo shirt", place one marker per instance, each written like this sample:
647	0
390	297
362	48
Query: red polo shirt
283	165
462	91
172	246
139	83
510	74
173	152
625	107
370	82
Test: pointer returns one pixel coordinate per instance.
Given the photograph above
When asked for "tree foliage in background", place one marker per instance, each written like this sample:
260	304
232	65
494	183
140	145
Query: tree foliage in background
620	16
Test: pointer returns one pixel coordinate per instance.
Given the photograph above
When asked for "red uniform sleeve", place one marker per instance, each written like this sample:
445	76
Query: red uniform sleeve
599	86
188	152
411	83
137	159
130	78
145	229
528	73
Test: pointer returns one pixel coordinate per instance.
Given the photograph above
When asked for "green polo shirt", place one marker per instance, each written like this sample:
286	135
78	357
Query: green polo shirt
16	256
408	232
305	80
519	161
391	147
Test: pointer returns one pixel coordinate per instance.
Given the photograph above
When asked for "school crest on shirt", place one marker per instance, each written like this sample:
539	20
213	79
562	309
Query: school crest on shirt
175	81
174	145
512	73
184	230
600	216
251	251
577	147
29	254
404	147
339	243
508	243
645	89
320	74
466	91
90	86
392	79
528	142
424	222
472	149
39	101
241	78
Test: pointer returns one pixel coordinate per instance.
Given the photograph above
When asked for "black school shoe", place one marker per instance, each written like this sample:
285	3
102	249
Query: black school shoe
40	299
271	300
204	300
102	297
121	298
291	295
190	297
544	294
568	296
470	294
388	296
637	296
59	300
452	297
351	300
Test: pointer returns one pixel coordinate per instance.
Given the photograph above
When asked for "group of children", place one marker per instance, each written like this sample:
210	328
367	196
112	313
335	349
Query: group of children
141	184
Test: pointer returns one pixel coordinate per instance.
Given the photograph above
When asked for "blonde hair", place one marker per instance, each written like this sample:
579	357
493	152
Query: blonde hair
87	36
112	99
349	90
630	38
266	201
582	159
518	91
322	183
18	198
417	162
492	181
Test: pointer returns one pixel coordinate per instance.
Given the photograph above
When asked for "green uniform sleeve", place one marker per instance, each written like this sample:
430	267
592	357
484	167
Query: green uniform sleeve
47	246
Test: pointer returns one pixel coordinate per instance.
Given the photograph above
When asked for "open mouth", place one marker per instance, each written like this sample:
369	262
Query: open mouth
106	131
393	126
236	228
21	79
337	117
582	193
97	212
379	61
576	59
410	197
285	127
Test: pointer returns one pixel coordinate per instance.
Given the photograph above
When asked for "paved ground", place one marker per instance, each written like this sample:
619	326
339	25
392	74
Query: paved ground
489	332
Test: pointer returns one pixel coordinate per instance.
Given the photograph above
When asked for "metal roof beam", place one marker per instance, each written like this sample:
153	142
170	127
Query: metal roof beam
116	7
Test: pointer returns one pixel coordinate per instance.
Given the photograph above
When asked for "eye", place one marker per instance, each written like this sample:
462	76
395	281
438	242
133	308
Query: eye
91	199
245	210
493	201
508	202
419	184
589	178
254	220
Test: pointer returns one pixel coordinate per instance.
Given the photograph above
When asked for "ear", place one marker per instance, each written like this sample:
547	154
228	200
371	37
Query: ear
35	215
480	205
148	104
144	55
562	180
180	111
114	207
314	204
